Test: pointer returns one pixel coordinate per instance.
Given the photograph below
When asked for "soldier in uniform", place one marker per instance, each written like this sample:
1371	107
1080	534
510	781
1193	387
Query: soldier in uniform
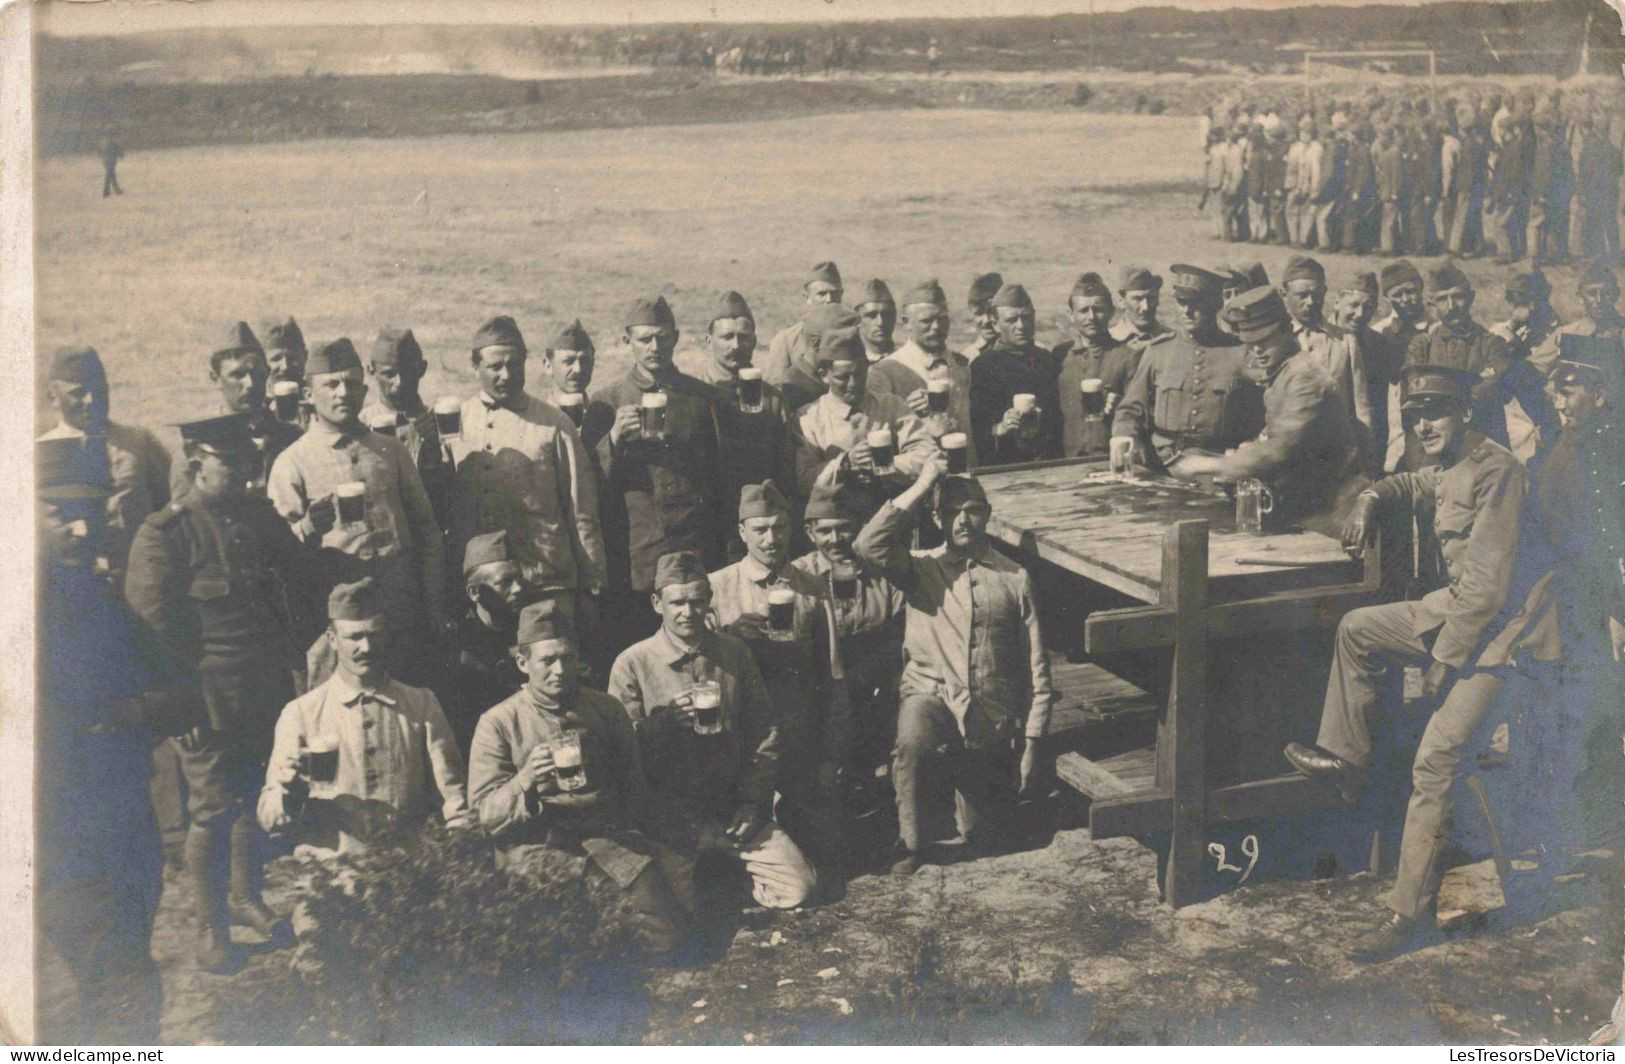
98	861
218	579
1015	365
1407	318
1139	294
659	495
979	313
1189	394
285	351
239	370
756	443
1531	421
1092	354
787	365
1498	605
396	365
484	672
1599	298
1303	290
877	318
924	357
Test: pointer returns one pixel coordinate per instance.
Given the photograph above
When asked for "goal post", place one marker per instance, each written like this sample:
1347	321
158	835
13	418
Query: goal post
1404	53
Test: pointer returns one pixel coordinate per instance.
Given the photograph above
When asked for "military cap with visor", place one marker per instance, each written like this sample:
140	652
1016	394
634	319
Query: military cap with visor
1256	314
225	434
1191	282
1426	386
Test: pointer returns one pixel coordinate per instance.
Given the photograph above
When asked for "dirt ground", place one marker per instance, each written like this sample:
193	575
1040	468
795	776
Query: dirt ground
1062	942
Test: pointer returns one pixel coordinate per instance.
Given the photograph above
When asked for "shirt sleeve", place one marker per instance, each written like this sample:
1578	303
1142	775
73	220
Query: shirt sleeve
1130	417
446	763
289	737
498	801
914	446
1043	690
286	489
1407	488
884	543
1480	590
1283	434
155	588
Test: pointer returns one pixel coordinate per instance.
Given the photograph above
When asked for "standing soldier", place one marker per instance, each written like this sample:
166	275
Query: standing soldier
662	484
1310	164
979	312
788	361
396	540
484	672
521	467
1551	185
1008	429
1451	177
240	372
1189	394
1139	293
1599	298
1510	188
877	318
111	154
1499	603
1233	185
1092	355
925	357
1407	318
1258	186
756	440
1303	290
397	365
1597	164
218	579
1327	196
1388	160
285	351
1467	229
1531	333
1281	180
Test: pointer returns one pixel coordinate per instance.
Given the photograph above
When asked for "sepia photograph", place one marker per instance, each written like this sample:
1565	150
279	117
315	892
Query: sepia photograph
812	522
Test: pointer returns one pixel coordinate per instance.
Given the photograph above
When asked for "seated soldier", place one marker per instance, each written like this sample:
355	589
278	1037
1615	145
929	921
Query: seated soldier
554	773
866	616
484	672
1498	605
709	738
836	435
976	682
360	757
793	656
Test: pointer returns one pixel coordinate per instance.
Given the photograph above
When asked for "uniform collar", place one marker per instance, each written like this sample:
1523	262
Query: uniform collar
674	653
349	692
757	573
323	432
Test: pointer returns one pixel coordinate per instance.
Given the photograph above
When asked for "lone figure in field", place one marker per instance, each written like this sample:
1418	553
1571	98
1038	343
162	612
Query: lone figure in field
111	154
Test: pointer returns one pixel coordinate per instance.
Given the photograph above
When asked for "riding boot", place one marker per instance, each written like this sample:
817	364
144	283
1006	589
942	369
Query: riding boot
244	904
206	860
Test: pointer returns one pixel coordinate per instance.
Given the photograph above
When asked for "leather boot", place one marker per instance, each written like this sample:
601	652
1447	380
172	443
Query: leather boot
244	903
1398	934
206	873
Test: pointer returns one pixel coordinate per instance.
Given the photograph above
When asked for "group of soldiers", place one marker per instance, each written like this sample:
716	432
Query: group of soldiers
1517	175
718	617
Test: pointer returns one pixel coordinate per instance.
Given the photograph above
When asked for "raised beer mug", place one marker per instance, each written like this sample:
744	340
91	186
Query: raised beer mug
881	447
567	767
448	418
781	614
350	500
750	390
1253	500
707	698
652	416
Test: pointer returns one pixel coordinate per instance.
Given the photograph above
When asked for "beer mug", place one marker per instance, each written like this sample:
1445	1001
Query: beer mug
448	418
955	448
843	581
1094	396
319	761
938	392
386	422
652	416
574	404
568	770
1253	500
781	614
1026	405
285	401
881	447
706	696
350	500
750	390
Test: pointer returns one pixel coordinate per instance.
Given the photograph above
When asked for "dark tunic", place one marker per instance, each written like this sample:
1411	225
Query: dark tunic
1000	374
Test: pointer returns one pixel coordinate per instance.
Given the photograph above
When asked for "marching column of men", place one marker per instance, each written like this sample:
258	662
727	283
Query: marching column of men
716	616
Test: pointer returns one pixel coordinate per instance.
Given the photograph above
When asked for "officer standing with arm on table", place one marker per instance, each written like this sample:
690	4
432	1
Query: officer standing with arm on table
709	738
1190	395
536	807
976	679
220	582
1498	606
398	540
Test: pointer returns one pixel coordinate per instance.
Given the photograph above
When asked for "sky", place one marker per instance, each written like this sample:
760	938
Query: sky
94	17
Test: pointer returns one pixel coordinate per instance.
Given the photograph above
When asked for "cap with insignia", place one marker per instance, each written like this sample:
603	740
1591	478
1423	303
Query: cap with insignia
571	337
485	548
1425	384
1303	268
225	434
645	311
1524	289
825	273
731	305
983	288
391	347
832	502
1256	314
873	290
548	619
359	601
1089	284
1595	359
826	318
282	336
841	345
680	567
1447	275
761	500
77	365
1599	273
1138	279
240	339
928	291
74	467
500	331
1012	295
954	493
1193	281
1395	274
332	356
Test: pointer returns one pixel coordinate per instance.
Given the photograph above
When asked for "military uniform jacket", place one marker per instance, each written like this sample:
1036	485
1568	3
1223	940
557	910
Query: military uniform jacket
1188	396
421	437
1113	364
1582	507
787	368
995	379
1500	597
1477	350
755	446
212	576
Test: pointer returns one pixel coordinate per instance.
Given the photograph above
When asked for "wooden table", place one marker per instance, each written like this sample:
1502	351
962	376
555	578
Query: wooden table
1217	598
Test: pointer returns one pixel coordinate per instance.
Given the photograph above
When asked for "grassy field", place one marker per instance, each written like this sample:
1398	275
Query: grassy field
440	233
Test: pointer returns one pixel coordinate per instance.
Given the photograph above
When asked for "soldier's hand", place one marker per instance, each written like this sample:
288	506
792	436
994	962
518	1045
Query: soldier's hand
1122	453
1360	529
1010	423
860	458
932	470
323	514
286	770
747	821
628	426
191	741
919	402
537	771
682	709
1435	681
1029	763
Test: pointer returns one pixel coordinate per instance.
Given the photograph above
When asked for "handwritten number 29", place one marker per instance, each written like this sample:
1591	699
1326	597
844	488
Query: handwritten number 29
1249	850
